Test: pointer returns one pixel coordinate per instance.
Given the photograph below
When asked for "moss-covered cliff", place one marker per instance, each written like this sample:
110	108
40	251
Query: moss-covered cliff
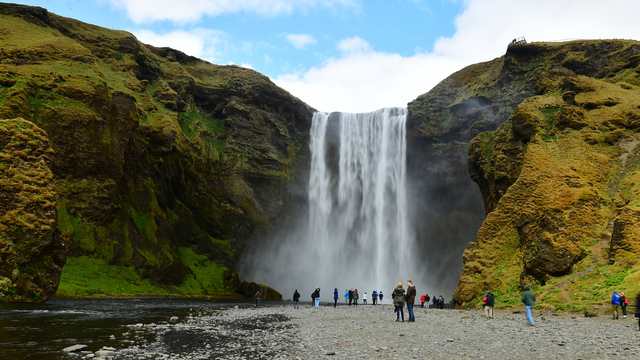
165	165
559	176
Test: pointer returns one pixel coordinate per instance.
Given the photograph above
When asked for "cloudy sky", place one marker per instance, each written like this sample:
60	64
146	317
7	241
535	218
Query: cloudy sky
354	55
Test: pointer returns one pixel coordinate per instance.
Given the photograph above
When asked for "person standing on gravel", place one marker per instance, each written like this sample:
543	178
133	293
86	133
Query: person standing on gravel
364	299
315	296
335	297
410	298
488	305
346	296
637	312
615	303
356	296
529	300
380	296
296	299
257	297
623	305
374	297
398	301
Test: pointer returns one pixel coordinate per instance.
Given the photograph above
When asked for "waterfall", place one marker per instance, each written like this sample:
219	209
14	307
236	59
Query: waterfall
357	233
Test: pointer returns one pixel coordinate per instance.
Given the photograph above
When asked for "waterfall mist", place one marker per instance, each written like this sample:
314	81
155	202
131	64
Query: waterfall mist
356	233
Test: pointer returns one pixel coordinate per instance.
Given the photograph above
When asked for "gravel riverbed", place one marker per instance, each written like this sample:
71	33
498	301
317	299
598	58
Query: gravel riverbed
370	332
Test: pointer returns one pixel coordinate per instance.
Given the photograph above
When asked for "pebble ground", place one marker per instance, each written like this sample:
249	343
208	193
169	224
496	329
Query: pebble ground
370	332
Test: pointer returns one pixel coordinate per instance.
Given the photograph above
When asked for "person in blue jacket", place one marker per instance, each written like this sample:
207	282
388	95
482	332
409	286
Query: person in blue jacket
335	297
615	302
346	296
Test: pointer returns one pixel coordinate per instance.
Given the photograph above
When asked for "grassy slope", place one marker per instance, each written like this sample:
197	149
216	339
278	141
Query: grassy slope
62	82
572	183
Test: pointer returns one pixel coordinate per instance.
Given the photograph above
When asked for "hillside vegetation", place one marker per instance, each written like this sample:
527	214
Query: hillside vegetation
560	181
165	166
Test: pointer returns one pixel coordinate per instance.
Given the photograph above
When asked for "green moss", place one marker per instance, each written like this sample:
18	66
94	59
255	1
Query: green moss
206	275
85	276
73	227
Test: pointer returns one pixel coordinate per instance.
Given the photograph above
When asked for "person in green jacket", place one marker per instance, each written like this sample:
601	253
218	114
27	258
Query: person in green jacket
529	300
356	296
398	301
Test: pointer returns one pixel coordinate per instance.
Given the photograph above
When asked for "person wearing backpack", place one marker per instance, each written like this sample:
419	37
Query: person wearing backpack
398	301
623	305
488	301
615	303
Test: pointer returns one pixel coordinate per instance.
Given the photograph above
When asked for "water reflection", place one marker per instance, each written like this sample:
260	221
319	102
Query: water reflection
41	331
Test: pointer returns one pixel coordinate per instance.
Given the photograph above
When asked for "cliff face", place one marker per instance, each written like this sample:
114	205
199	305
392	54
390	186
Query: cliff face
162	163
559	179
32	252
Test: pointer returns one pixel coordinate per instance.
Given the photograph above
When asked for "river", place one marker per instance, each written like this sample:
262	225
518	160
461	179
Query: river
41	331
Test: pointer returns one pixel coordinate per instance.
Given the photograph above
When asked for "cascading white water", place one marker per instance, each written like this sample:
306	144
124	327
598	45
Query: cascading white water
357	233
358	215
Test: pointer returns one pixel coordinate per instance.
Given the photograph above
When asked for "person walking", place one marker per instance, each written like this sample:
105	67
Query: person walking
615	303
257	297
410	298
380	296
364	299
398	301
623	305
335	297
356	296
296	299
488	305
315	296
529	300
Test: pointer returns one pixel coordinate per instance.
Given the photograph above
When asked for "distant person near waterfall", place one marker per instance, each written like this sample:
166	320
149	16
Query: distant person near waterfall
374	297
380	296
398	301
335	297
350	296
410	298
257	297
346	296
315	297
364	299
296	299
356	296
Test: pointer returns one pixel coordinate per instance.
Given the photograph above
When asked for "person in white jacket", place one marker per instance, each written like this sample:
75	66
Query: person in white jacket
364	299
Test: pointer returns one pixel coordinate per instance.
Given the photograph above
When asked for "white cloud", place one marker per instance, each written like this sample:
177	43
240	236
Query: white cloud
191	10
301	41
363	79
201	43
354	45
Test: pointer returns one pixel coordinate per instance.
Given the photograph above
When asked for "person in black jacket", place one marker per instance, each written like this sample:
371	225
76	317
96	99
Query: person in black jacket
488	304
296	300
637	312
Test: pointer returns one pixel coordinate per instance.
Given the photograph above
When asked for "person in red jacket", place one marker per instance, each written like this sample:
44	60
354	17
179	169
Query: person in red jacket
422	301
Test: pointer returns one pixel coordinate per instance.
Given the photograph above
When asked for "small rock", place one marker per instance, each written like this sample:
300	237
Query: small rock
75	348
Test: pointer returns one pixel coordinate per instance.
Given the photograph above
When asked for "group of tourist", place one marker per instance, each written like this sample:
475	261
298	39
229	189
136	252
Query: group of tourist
618	302
352	296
